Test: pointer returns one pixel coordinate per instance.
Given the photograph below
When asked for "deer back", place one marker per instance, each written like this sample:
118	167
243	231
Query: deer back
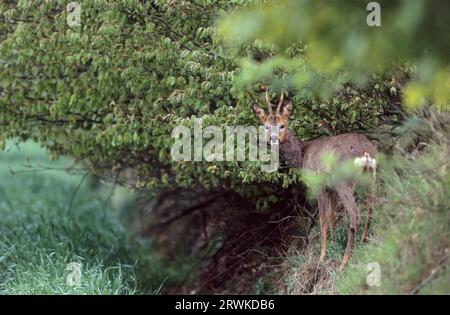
344	146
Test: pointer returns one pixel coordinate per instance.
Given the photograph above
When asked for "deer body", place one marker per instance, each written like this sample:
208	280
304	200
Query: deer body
309	155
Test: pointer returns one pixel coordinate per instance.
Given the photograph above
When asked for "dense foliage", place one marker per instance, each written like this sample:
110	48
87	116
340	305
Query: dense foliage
339	43
110	91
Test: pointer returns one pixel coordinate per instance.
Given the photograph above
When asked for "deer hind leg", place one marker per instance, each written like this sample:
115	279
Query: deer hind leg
331	212
370	205
345	193
322	203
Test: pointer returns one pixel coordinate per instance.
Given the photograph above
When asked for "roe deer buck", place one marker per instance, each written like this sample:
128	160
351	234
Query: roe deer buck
309	155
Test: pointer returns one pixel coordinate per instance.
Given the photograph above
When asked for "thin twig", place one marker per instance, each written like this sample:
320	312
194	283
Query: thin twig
430	277
72	198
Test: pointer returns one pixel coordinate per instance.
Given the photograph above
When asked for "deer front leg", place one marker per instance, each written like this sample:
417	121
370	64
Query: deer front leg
367	225
345	192
322	203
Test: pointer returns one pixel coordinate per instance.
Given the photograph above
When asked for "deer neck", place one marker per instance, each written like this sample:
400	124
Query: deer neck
291	150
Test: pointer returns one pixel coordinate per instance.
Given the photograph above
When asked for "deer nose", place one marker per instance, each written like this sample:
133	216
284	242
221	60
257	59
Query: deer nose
274	139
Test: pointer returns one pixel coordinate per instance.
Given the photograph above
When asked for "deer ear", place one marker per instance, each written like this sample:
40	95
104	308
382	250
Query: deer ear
287	110
259	112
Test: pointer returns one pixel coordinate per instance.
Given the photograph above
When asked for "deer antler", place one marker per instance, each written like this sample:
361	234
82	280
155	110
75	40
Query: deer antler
281	102
269	104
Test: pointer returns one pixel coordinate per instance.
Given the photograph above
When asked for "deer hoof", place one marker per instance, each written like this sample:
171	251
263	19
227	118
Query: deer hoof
342	266
322	256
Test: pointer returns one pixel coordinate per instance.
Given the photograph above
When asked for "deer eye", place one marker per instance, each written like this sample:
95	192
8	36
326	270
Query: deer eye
282	126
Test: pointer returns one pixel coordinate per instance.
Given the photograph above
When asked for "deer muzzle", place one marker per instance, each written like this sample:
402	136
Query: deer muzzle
274	138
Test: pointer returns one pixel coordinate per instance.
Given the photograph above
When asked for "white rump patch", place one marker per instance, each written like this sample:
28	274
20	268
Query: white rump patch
366	161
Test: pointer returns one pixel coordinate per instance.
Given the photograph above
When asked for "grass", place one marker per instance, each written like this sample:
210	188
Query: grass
40	234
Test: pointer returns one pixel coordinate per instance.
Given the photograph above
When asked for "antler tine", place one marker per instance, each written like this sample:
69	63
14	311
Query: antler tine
280	103
269	104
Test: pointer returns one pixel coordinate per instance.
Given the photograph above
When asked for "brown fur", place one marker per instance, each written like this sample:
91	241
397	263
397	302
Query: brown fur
309	155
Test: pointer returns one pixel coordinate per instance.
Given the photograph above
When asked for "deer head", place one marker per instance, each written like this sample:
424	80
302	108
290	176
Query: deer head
276	123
